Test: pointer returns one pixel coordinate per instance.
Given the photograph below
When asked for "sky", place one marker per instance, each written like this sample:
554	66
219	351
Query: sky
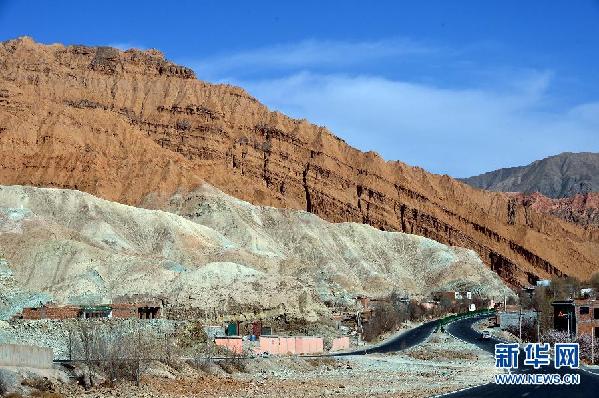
456	87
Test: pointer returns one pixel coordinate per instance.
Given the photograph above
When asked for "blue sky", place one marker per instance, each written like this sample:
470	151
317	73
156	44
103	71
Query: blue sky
456	87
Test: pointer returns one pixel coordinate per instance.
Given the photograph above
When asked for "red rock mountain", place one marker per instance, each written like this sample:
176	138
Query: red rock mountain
563	185
135	128
581	209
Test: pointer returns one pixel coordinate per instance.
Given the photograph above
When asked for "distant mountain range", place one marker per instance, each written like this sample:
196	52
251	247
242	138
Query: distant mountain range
560	176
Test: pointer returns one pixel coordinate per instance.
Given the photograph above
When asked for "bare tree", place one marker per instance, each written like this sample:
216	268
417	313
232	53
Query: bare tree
594	281
120	351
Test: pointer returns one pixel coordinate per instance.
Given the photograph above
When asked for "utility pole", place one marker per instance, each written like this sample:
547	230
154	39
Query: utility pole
538	325
520	322
359	327
592	344
70	344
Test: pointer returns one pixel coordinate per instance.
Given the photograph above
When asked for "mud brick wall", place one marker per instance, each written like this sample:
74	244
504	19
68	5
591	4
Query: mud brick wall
67	312
124	311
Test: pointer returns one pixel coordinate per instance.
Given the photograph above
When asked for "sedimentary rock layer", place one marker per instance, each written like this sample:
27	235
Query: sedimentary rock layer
581	209
132	127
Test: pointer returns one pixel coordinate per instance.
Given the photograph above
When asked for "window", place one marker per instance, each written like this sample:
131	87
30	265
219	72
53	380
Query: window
596	313
584	310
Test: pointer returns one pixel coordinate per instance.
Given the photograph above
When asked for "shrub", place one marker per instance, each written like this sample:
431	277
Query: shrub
529	331
182	124
192	337
202	364
47	394
121	351
594	281
555	336
38	383
233	364
385	318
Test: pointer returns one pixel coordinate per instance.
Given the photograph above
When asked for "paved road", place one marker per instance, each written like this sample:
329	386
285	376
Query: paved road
405	340
588	387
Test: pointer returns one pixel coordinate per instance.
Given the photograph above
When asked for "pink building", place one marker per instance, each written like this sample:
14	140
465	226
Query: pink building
340	343
231	343
309	345
301	345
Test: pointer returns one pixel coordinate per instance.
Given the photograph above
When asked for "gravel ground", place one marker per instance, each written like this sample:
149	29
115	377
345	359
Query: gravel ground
441	364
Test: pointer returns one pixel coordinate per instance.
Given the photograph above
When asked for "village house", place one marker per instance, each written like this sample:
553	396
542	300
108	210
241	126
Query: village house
578	316
231	343
452	296
587	292
587	317
143	310
51	311
293	345
543	283
512	315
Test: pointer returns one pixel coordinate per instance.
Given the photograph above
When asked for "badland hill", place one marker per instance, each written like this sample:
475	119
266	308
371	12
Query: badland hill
221	256
135	128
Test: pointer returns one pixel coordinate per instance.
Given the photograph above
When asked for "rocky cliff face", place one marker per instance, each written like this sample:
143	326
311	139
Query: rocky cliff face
560	176
581	209
132	127
565	186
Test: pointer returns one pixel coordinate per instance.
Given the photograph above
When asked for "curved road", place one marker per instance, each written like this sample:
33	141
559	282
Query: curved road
588	387
403	341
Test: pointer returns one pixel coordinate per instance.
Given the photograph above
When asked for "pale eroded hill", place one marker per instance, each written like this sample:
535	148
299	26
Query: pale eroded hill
220	255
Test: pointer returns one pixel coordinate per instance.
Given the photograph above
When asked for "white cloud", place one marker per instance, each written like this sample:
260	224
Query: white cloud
309	53
503	117
457	131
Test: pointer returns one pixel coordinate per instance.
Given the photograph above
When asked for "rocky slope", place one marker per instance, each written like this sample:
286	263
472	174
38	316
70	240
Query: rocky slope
132	127
564	186
224	256
560	176
581	209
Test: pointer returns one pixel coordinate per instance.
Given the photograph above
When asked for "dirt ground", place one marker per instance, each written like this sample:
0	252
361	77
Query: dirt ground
441	364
